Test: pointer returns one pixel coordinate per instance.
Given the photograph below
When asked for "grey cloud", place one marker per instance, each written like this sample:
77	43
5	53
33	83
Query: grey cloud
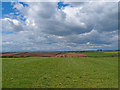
12	25
70	28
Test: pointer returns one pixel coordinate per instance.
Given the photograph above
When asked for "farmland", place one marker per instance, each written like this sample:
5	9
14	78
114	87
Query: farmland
98	70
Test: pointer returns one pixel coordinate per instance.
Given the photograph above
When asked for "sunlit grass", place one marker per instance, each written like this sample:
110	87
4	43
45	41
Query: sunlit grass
61	72
114	52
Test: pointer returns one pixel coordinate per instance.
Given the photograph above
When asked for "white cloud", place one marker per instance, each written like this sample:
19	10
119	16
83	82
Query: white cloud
89	25
18	6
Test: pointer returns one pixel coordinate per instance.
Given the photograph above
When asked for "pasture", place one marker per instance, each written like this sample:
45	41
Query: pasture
98	70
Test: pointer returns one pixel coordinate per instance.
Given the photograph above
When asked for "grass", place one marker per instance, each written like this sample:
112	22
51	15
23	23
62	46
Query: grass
61	72
102	54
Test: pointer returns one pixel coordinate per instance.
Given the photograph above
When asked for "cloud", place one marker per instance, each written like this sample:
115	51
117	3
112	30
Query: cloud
18	6
11	25
78	26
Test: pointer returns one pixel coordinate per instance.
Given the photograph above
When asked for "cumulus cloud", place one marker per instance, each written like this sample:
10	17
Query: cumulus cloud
78	26
11	25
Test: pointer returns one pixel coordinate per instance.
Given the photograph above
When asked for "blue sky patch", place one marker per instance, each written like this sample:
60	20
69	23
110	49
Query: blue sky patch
7	32
7	8
62	5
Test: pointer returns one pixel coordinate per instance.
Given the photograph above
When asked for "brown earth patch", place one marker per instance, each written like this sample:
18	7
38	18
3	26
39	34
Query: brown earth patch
52	54
71	55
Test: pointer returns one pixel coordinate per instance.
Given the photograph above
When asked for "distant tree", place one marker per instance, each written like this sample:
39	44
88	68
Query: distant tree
99	50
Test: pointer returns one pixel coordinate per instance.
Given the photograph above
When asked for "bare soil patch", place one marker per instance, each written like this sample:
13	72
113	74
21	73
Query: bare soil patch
51	54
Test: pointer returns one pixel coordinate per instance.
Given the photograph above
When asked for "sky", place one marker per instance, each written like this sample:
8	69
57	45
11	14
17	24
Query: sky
59	26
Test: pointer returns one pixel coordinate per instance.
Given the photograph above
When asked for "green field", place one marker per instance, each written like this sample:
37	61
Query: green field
98	70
